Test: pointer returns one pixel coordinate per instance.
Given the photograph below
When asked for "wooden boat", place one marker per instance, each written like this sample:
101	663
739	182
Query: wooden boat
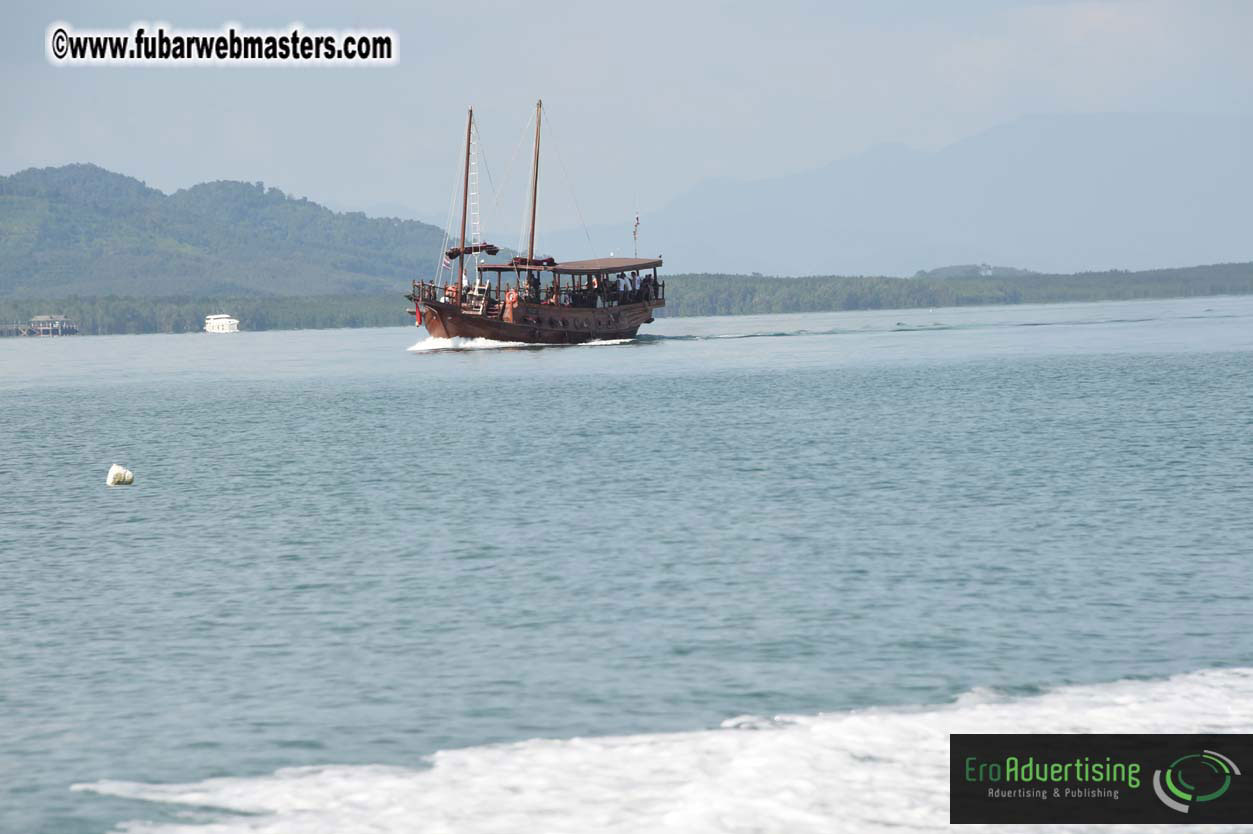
535	300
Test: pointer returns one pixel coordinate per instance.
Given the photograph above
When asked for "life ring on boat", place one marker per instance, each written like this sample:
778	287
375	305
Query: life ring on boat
511	298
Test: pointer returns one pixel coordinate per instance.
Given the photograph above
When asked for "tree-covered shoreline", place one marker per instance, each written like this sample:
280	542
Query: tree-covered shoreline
113	314
686	295
715	295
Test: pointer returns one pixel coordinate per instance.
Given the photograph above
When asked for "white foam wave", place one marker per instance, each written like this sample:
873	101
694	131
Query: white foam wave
434	343
865	770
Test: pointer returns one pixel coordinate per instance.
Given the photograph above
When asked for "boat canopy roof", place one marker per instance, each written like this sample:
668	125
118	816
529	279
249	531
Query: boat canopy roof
605	266
596	266
520	264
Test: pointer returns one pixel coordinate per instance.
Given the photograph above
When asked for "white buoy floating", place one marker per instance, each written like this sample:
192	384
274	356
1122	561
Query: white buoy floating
119	476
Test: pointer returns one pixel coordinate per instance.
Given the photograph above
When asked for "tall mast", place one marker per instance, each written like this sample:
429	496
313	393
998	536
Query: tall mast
530	250
465	204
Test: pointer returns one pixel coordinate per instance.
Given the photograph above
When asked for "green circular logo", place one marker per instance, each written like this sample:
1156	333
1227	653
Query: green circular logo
1194	778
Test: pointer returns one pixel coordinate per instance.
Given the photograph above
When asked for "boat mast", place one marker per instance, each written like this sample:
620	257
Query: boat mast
530	249
465	204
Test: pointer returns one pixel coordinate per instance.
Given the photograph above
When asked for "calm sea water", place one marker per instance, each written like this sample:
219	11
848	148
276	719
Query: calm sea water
341	556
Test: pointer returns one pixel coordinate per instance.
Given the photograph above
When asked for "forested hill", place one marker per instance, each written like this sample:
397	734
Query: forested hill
80	230
119	257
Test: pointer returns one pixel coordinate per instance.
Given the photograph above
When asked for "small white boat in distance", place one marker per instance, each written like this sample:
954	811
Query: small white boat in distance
221	323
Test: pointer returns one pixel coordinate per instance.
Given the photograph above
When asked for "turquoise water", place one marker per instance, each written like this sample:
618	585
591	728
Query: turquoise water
339	551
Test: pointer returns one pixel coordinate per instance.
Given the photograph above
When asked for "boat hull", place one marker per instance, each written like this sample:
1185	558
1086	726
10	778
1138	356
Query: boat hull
539	324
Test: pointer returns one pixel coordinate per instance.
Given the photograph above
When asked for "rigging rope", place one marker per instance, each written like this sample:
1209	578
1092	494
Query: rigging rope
483	154
573	197
497	194
452	208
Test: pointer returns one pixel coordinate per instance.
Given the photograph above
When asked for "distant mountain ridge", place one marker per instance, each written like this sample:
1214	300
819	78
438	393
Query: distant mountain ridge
82	230
1052	195
974	271
1056	194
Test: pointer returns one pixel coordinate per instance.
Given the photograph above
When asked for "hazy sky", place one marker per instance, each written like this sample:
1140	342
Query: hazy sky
646	99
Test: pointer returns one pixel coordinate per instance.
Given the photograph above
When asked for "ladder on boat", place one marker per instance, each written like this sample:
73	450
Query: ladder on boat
476	234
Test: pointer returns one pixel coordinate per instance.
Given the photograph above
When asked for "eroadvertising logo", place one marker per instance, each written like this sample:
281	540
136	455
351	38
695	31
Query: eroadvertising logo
1056	778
